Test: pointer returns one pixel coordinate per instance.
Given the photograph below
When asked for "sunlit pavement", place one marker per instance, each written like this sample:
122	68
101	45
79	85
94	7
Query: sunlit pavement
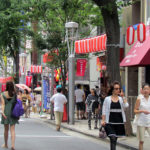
33	134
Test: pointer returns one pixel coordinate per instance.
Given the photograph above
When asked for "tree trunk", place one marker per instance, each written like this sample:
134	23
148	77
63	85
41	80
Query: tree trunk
34	53
110	15
16	60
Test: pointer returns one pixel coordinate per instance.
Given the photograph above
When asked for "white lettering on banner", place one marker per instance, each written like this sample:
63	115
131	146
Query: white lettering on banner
127	61
138	44
130	56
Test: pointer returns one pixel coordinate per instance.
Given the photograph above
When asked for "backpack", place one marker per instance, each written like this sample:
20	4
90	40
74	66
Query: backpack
17	109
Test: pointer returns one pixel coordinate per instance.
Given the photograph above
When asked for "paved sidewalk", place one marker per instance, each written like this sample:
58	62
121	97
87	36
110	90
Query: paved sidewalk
81	126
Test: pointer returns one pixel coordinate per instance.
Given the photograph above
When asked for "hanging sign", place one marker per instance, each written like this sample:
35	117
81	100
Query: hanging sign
81	66
28	80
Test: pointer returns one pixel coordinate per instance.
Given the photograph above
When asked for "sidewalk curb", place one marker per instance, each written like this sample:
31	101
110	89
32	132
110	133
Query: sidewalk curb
93	136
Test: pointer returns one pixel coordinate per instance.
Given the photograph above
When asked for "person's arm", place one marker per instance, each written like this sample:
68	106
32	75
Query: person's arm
83	96
104	113
136	108
65	100
52	99
125	102
3	107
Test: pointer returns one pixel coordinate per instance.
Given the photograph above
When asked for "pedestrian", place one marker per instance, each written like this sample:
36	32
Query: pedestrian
79	98
87	92
19	95
8	99
59	100
142	110
113	115
93	102
38	99
26	98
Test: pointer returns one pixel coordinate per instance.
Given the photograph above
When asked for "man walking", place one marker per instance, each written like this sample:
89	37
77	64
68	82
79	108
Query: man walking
59	100
80	97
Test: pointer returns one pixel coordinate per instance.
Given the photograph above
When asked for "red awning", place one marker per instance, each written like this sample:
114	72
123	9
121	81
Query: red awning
94	44
139	55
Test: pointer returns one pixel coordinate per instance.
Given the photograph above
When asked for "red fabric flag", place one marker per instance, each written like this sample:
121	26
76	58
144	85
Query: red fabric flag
28	80
81	66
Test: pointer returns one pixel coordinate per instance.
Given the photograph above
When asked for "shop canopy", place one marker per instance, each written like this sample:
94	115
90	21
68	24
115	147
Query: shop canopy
139	54
94	44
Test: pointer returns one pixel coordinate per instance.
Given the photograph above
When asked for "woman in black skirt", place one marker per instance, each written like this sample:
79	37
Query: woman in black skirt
113	115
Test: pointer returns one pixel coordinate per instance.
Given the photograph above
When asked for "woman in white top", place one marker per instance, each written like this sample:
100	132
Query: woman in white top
113	115
142	109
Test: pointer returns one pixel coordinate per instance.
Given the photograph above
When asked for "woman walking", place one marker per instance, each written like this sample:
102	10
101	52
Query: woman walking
142	110
26	98
8	99
113	115
93	104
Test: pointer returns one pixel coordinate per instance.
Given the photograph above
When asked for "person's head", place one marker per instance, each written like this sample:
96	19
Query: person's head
10	88
146	89
26	91
93	92
114	88
59	90
78	86
19	92
97	87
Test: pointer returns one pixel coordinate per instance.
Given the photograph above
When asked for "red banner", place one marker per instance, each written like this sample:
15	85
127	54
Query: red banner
28	80
3	80
81	66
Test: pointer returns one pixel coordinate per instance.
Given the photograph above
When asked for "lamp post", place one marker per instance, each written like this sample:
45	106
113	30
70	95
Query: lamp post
71	35
23	57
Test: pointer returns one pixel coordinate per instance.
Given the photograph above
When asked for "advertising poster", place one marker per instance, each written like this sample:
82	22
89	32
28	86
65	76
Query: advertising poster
46	93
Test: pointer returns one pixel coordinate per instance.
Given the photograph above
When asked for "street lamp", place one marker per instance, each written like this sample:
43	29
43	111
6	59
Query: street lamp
71	35
23	57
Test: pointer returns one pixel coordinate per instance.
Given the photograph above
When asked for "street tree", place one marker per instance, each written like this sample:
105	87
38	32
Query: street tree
11	26
109	10
51	20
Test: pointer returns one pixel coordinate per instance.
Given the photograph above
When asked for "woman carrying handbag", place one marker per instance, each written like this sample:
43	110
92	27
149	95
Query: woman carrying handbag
113	115
8	99
142	112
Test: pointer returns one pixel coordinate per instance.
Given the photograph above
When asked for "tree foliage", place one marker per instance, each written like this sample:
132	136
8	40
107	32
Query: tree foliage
51	19
12	20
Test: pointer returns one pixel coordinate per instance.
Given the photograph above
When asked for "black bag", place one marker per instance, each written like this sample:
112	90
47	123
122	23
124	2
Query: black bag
102	132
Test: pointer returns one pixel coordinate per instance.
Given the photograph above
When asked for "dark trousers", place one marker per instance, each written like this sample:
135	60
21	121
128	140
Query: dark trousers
90	117
113	142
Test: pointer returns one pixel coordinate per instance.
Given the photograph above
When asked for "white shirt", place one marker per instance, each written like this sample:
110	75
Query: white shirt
144	119
106	108
59	101
79	95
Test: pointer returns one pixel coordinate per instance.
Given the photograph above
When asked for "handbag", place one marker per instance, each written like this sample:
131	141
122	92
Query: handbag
135	120
102	132
17	110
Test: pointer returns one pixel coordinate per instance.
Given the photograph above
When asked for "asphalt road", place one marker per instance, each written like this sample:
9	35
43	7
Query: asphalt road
32	134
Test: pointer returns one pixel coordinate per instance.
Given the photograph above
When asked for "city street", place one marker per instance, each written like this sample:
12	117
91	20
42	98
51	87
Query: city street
32	134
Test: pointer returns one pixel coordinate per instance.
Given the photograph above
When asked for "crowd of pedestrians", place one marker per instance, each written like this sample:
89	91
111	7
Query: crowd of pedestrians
95	104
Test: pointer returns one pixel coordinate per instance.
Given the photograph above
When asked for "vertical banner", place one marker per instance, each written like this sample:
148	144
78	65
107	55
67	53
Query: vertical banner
46	93
28	80
81	66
